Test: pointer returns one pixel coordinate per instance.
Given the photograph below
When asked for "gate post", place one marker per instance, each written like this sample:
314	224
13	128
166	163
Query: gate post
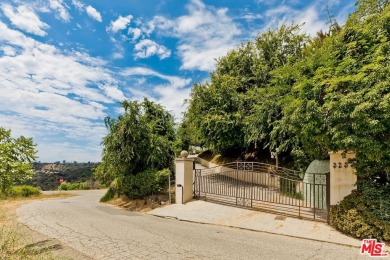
184	178
342	176
328	197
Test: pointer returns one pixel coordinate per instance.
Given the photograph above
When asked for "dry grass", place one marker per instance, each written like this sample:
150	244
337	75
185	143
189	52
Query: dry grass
15	240
146	204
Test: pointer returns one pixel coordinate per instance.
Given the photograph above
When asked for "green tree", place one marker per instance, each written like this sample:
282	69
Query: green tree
16	156
139	140
235	110
304	96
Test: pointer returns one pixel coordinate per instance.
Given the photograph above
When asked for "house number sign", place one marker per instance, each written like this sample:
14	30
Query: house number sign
340	165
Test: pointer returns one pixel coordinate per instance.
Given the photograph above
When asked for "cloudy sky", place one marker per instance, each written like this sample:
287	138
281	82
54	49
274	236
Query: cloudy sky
65	64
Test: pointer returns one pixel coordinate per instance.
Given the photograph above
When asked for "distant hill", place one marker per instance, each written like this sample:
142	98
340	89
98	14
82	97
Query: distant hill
48	175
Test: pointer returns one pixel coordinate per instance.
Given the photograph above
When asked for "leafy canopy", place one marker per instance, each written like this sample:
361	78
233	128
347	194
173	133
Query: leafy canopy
304	96
138	140
16	155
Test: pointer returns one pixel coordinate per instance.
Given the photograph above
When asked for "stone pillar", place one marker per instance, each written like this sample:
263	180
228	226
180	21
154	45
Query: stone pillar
184	178
342	176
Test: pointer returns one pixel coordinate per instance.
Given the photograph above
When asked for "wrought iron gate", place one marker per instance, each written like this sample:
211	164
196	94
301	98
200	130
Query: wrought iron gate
265	187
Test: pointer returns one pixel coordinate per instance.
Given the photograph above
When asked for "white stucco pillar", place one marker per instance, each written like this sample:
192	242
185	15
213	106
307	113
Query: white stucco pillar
184	178
342	176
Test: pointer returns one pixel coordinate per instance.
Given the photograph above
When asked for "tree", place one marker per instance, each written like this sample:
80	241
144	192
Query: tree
304	96
140	140
233	111
16	157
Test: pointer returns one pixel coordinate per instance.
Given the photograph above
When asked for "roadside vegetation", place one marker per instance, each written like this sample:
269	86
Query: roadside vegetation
19	242
16	156
22	191
13	242
138	151
12	245
87	185
47	175
301	97
364	214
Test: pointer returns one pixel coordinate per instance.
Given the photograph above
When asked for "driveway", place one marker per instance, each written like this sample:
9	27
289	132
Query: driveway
105	232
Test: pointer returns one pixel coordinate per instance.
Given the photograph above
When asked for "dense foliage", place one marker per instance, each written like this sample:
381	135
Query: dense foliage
22	191
70	172
139	144
364	214
146	183
75	186
303	96
16	155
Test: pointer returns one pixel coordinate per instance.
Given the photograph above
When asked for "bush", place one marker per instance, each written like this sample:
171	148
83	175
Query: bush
145	183
364	214
23	191
110	194
138	186
74	186
63	186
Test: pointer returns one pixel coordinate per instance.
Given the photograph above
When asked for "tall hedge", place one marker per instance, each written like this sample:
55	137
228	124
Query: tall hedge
139	142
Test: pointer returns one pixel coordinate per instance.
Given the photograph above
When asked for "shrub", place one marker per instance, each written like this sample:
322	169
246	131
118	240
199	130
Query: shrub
364	214
23	191
110	194
74	186
138	186
145	183
63	186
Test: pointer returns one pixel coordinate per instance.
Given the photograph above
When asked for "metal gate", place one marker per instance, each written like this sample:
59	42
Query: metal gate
265	187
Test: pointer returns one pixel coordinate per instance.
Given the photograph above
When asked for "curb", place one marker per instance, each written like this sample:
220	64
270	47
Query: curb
253	230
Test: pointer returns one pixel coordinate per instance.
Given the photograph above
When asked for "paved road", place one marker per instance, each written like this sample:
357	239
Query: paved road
104	232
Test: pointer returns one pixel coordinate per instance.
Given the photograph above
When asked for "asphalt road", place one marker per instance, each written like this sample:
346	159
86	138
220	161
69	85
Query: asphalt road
105	232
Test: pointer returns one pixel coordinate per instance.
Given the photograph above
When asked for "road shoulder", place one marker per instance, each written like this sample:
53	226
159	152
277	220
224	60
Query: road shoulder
28	242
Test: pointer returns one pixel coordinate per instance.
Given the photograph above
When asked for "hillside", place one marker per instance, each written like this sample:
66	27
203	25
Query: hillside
48	175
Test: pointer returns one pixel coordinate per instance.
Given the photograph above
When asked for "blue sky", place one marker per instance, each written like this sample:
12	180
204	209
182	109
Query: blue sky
66	64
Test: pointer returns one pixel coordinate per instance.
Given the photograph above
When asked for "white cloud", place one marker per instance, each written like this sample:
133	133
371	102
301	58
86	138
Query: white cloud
57	151
205	34
46	92
54	148
118	55
173	99
313	17
312	21
8	50
136	32
146	48
25	19
251	16
79	5
119	24
114	93
61	10
93	13
90	10
175	81
171	95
